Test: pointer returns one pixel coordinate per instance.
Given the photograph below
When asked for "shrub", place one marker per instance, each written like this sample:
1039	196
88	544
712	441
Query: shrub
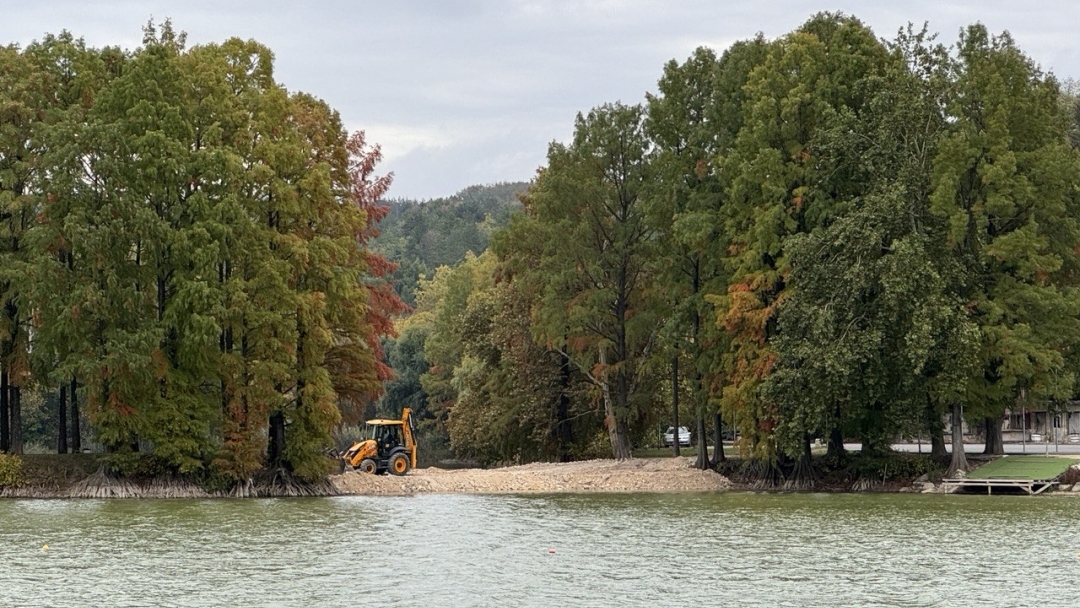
1070	476
11	470
893	466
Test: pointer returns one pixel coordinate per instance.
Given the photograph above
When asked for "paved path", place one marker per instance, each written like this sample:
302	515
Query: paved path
1064	449
977	448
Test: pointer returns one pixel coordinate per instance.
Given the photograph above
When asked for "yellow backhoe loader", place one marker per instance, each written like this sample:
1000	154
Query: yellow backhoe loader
390	446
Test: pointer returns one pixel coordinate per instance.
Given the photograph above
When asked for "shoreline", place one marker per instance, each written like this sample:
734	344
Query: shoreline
639	475
634	476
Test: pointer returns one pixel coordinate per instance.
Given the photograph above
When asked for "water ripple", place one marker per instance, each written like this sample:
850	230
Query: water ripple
570	550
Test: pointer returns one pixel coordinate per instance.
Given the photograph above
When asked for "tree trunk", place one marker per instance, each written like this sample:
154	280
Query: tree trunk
620	443
675	404
61	422
5	414
959	465
802	474
937	444
871	447
623	451
836	449
76	429
936	428
76	432
564	432
15	407
872	441
702	461
620	438
275	448
718	440
994	445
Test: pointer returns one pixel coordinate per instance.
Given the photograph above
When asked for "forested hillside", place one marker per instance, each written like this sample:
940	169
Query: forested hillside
420	236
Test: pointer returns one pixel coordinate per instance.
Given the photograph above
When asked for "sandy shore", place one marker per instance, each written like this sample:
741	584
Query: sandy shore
636	475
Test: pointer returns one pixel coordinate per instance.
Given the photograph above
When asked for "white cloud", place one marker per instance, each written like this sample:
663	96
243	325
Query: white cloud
399	140
457	92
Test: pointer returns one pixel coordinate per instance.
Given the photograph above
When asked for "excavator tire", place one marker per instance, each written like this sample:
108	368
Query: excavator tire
399	464
368	465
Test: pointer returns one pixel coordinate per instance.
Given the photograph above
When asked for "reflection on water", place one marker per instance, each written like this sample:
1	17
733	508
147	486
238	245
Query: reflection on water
609	550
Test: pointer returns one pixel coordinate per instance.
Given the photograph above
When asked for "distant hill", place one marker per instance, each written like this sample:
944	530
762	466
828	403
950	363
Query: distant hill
423	235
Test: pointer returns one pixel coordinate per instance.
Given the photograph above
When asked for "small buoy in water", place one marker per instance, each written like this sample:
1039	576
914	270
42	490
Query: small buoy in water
552	550
45	547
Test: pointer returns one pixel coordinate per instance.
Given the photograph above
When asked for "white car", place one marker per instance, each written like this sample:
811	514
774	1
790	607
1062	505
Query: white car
669	436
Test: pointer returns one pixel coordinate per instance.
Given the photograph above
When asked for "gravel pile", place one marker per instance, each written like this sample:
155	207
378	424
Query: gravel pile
637	475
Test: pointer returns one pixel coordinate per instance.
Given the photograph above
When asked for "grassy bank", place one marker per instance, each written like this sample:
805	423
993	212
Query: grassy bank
56	470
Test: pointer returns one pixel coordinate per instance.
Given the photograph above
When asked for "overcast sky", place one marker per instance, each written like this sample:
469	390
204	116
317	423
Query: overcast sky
469	92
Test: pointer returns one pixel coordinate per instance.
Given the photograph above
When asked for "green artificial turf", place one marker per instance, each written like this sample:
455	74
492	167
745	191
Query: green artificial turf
1023	467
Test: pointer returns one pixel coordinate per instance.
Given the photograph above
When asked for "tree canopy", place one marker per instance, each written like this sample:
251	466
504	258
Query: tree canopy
188	240
833	236
839	237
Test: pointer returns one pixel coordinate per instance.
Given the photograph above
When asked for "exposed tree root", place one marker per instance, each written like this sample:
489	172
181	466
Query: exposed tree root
243	489
802	475
103	485
40	491
864	484
171	487
281	483
764	475
958	467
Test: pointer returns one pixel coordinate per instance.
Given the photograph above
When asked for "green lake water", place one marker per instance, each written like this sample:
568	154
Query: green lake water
734	549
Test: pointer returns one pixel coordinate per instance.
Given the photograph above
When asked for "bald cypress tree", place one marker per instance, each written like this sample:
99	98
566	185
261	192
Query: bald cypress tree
50	86
693	121
23	103
1005	181
781	184
586	227
198	256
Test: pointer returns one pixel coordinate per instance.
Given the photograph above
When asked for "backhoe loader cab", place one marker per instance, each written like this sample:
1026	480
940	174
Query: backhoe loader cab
389	446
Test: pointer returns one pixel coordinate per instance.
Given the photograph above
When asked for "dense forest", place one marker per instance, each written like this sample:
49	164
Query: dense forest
825	236
184	260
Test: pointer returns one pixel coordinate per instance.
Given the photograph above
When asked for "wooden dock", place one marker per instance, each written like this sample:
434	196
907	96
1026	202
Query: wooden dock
1030	474
1031	486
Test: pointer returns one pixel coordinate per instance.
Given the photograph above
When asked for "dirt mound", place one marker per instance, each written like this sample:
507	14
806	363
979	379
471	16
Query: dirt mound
637	475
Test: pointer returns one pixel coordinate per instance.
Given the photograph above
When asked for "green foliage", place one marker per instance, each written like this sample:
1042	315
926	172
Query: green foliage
891	467
694	121
833	234
785	182
213	481
11	471
881	231
1004	180
405	355
424	235
190	238
584	248
490	385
